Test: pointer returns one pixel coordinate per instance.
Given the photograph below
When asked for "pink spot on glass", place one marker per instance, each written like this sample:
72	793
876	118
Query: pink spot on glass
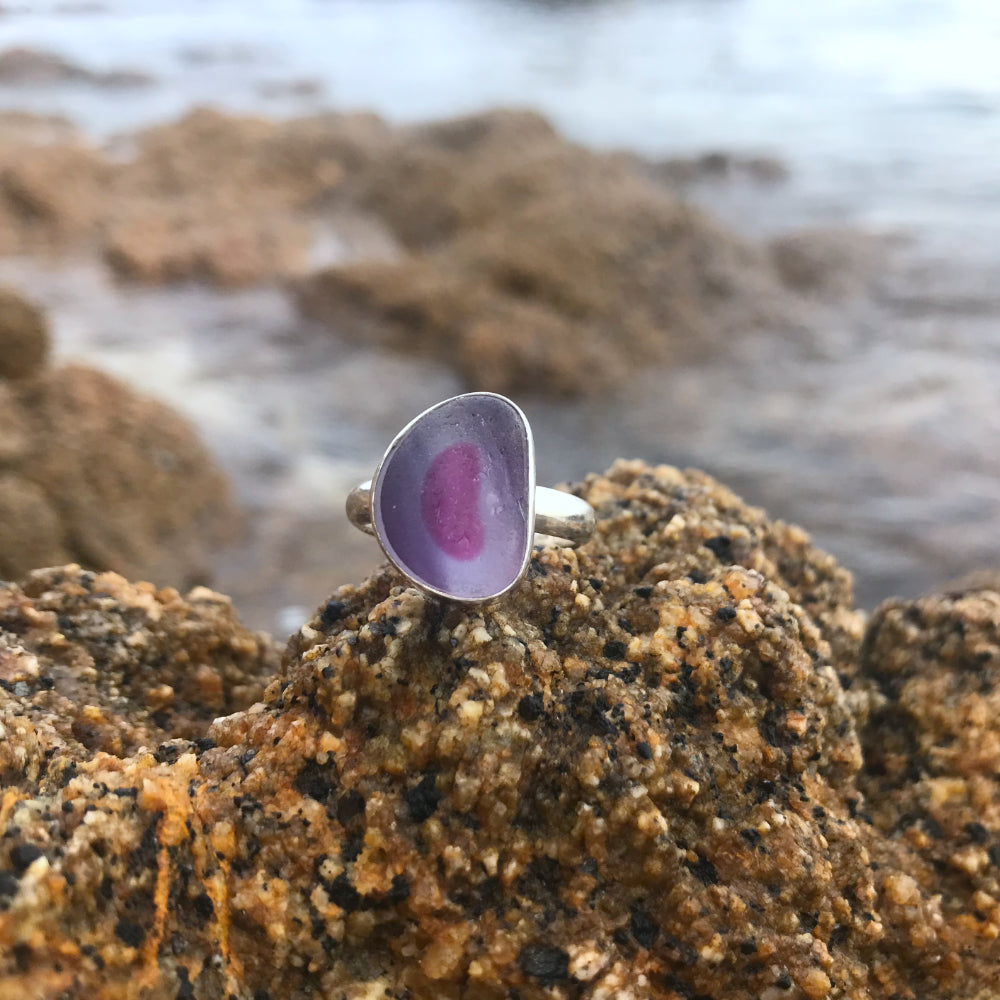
449	502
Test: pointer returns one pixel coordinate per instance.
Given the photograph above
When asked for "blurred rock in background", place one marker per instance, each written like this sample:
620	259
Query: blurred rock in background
95	473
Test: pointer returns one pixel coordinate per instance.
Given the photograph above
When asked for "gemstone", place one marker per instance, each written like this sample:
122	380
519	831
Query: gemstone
452	499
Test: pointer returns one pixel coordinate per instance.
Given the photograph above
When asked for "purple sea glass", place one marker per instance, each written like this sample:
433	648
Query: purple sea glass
452	500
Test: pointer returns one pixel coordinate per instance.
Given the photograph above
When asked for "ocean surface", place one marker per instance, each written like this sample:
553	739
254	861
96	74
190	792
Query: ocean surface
887	110
880	434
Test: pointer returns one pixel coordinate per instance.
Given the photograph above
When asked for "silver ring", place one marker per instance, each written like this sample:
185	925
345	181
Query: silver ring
453	502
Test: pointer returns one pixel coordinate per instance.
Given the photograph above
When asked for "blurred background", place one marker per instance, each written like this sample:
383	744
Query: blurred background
241	244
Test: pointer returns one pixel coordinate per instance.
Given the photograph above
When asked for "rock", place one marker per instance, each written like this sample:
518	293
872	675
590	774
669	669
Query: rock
92	472
214	54
641	777
24	336
217	198
25	67
31	527
933	735
52	185
720	165
210	197
133	668
538	265
31	67
829	262
522	259
159	243
295	88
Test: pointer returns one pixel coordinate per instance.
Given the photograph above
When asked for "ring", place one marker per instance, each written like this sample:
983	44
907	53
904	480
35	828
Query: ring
453	502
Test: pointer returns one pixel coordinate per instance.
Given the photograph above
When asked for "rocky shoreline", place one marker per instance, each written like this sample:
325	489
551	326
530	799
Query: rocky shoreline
489	243
485	252
676	763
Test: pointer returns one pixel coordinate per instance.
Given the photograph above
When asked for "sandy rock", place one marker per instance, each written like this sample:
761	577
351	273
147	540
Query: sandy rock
210	197
828	262
132	668
31	529
720	165
217	198
25	67
534	260
933	737
53	193
34	189
157	243
639	778
27	127
24	336
97	474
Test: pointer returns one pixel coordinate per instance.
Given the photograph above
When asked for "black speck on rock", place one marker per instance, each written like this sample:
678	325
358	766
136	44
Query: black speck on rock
204	908
644	928
8	884
185	988
544	962
705	871
721	546
531	707
23	855
422	800
383	626
332	613
977	832
399	890
167	753
315	781
614	649
344	894
349	805
726	614
130	932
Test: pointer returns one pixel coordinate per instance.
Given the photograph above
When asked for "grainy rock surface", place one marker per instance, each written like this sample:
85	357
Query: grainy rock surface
932	740
641	777
92	472
91	665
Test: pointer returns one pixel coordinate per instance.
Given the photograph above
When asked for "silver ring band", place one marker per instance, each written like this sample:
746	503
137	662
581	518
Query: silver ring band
557	514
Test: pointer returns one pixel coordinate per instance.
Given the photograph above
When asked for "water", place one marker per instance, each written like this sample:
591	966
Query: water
886	109
879	435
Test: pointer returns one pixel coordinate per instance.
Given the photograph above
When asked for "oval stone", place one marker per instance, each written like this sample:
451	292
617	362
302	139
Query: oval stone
452	499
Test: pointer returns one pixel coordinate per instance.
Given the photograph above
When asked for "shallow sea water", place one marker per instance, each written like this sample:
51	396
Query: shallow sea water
878	431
